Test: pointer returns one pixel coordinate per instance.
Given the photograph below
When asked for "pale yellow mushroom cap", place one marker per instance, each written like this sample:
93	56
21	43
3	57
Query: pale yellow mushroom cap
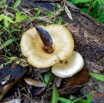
69	66
32	47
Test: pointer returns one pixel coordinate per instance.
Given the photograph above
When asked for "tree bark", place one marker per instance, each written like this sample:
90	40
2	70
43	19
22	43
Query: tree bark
89	38
89	41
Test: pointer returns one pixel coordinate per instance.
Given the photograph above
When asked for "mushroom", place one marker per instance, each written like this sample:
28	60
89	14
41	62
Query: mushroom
69	66
46	46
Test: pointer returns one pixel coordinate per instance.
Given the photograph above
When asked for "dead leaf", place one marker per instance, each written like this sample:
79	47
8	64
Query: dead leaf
37	91
34	82
40	71
68	12
6	88
57	81
78	79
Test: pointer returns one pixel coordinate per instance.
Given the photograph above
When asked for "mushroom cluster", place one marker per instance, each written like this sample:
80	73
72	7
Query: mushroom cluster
52	46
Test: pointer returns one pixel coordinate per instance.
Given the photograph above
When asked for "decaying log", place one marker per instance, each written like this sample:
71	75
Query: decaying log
9	76
89	41
89	38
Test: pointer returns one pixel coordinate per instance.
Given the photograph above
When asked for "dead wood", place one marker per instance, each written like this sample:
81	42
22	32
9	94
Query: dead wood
9	76
89	41
89	38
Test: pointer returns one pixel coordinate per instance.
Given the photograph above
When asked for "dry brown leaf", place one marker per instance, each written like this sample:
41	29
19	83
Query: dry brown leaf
34	82
37	91
78	79
6	88
57	81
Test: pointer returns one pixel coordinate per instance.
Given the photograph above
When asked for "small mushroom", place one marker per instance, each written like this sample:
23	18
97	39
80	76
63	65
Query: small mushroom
46	46
69	66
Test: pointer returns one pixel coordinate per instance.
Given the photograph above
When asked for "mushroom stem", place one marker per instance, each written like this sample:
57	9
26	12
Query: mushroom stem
46	39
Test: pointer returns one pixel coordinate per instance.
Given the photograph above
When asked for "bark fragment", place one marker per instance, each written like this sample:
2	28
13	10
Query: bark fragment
9	76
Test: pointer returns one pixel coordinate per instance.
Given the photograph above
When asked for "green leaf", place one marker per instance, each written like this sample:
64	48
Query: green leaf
17	3
8	42
59	6
97	76
1	5
89	98
55	94
101	2
60	20
20	16
8	19
15	30
81	1
6	23
38	12
48	14
48	77
3	1
81	100
64	100
84	9
11	59
78	100
2	16
32	18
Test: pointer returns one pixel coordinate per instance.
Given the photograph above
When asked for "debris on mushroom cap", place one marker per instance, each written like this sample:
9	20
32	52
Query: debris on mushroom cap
33	48
46	39
69	67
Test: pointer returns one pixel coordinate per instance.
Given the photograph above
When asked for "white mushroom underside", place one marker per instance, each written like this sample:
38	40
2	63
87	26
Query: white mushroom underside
33	48
69	67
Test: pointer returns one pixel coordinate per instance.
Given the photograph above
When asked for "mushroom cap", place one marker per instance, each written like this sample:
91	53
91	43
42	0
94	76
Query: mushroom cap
33	48
69	67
